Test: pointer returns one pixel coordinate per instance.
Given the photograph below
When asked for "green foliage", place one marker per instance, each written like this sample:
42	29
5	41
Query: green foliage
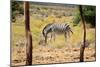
90	14
38	22
17	8
76	19
89	10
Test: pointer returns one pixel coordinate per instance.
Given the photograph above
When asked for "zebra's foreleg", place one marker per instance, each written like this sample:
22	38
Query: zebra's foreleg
54	36
51	36
45	39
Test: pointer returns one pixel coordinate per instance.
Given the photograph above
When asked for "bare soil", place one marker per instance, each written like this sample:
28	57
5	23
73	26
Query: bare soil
48	55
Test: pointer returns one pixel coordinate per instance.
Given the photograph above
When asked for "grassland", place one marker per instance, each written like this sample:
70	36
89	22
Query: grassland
57	51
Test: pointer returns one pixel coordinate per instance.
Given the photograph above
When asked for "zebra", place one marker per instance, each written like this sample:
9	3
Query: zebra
56	28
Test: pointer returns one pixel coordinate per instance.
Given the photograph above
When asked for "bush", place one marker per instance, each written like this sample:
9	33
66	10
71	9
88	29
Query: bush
89	13
17	8
76	19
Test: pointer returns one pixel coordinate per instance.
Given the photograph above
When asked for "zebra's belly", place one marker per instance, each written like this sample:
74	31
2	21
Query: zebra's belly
59	32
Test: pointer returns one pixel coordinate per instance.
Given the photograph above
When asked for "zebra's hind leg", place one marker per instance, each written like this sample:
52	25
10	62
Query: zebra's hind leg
65	35
68	33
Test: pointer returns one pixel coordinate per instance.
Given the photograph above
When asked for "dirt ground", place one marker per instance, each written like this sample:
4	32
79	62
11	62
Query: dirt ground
48	55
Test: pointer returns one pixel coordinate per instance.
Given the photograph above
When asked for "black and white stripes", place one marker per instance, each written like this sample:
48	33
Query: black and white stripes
56	28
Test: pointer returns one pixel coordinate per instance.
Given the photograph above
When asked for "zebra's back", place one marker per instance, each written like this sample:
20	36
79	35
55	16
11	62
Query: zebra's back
59	27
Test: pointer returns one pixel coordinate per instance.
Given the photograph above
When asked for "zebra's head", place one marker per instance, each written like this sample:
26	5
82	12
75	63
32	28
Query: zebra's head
42	40
46	29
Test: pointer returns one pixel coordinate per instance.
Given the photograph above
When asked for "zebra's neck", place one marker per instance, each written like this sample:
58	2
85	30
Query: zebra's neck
47	29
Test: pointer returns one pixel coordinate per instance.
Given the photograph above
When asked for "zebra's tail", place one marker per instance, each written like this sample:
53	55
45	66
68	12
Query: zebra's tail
69	30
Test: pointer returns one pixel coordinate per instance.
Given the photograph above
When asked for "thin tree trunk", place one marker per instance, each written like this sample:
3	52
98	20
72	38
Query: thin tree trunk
28	35
82	48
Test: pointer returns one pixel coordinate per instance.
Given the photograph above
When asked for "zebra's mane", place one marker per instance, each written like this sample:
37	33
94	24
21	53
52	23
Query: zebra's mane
46	28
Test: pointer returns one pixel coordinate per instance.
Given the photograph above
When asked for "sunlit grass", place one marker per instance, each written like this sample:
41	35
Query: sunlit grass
36	26
37	23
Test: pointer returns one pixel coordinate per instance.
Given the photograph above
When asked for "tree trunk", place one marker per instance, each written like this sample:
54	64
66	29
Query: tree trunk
28	35
82	48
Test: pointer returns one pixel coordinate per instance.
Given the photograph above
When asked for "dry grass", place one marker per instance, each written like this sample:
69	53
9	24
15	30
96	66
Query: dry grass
57	51
47	55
